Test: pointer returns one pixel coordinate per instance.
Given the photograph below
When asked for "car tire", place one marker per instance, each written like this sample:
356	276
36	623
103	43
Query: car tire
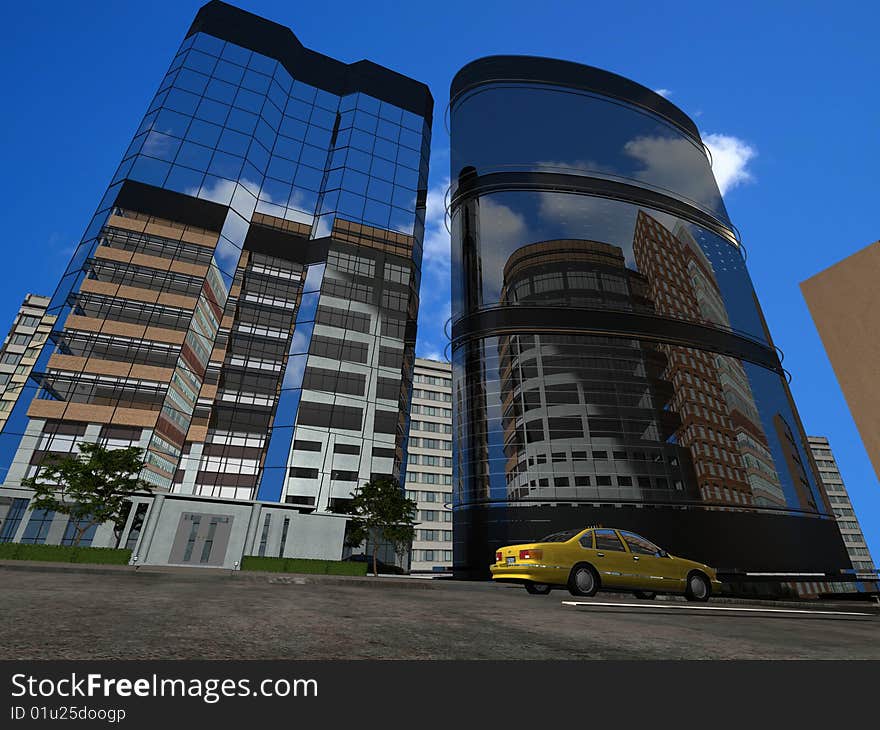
646	595
583	580
698	588
538	589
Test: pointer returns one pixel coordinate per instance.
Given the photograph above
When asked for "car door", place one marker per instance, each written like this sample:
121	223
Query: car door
611	559
650	571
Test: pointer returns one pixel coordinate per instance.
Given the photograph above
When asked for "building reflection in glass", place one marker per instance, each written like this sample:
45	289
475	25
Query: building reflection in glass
586	416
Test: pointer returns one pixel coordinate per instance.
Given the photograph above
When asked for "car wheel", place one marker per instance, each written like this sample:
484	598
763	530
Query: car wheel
537	589
583	581
698	588
646	595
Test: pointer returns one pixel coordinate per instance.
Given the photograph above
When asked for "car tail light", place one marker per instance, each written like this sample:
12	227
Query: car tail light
498	557
531	554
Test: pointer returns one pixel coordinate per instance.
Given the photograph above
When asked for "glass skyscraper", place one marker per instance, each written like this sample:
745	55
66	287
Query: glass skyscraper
243	303
611	363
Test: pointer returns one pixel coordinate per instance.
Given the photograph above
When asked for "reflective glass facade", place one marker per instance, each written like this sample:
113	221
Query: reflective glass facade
243	303
610	360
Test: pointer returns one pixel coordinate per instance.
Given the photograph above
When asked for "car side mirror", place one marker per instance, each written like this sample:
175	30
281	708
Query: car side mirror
663	554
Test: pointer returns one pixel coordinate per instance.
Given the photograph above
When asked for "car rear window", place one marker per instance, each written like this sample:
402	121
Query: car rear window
560	536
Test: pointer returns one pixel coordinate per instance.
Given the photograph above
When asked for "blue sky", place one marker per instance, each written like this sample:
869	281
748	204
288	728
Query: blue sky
788	89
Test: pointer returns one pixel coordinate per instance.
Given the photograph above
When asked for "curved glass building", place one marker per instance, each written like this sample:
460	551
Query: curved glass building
610	360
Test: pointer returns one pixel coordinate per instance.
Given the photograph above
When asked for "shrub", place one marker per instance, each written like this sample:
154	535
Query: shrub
343	568
64	554
302	565
271	565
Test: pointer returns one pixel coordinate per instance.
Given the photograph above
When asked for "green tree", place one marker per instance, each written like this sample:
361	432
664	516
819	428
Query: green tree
380	510
92	488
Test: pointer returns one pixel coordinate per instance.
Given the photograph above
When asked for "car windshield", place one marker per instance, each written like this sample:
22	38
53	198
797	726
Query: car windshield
561	536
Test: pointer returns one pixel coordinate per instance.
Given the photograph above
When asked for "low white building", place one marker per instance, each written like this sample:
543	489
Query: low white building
185	530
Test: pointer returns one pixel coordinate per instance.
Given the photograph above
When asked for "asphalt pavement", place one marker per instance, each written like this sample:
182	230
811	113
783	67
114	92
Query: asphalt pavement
189	614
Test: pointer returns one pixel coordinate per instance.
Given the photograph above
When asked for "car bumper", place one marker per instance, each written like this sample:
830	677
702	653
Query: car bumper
525	573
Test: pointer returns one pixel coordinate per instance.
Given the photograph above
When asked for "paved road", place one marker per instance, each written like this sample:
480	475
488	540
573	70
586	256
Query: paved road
126	615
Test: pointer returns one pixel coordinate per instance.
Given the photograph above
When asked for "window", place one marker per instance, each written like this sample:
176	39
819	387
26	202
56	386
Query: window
137	524
38	526
393	327
346	449
327	416
26	321
13	519
397	274
335	349
284	530
264	536
639	545
301	472
395	300
334	317
306	445
346	290
565	428
73	527
608	540
332	381
350	263
587	541
388	388
385	421
390	357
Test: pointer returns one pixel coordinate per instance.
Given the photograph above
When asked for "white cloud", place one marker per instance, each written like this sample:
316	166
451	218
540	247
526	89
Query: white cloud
663	92
436	242
434	307
432	355
674	164
730	159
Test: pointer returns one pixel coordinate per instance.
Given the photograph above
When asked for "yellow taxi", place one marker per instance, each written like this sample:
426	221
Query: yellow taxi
595	558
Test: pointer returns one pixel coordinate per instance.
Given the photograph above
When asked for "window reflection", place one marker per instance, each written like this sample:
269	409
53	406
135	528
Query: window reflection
547	416
566	131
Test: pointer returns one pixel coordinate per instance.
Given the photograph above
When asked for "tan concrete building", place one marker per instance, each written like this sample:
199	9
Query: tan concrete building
843	302
21	348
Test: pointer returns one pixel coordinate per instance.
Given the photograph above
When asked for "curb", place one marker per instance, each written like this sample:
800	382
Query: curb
214	574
